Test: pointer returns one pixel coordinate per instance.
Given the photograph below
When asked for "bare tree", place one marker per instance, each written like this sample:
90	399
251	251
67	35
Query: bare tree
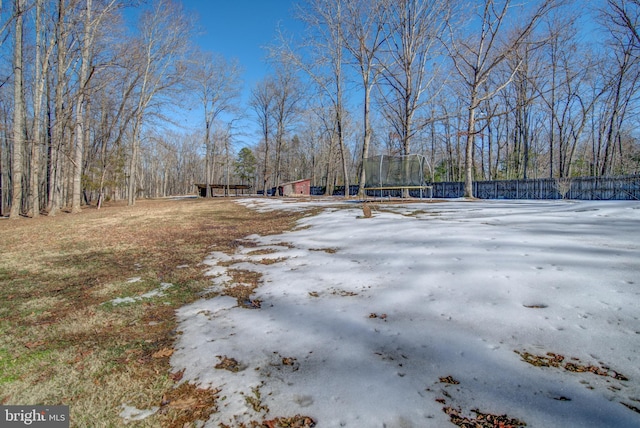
566	96
363	33
413	30
314	145
560	74
286	106
276	101
626	14
262	100
477	57
18	112
43	53
5	194
164	36
217	83
114	98
321	57
64	42
92	21
4	26
620	18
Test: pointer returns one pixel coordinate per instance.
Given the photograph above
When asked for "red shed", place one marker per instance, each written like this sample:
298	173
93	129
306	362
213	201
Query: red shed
296	188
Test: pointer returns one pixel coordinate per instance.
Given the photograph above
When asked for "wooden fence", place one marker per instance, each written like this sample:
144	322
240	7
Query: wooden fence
586	188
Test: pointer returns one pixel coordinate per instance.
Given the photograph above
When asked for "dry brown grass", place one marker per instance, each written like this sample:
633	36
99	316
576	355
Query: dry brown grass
63	342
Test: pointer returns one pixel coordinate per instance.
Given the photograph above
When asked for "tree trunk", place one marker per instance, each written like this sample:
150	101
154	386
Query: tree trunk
40	73
468	161
611	125
343	151
265	166
208	154
133	162
330	174
55	167
279	142
80	105
18	115
367	136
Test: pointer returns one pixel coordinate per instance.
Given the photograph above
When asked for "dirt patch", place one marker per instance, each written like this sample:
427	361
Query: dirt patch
297	421
481	419
230	364
326	250
460	418
574	364
343	293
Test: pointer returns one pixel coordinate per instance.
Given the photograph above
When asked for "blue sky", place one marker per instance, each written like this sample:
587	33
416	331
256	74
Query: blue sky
240	28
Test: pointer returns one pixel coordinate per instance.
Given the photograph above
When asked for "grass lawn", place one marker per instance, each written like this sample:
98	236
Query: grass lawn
63	341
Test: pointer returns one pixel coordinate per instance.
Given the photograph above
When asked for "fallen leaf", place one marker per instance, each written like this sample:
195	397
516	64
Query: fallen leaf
82	355
165	400
184	403
163	353
31	345
177	376
449	379
288	361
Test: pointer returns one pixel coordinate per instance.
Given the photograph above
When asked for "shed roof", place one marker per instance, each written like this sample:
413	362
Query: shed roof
295	182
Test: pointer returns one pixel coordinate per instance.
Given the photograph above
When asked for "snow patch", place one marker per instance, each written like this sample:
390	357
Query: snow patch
130	413
158	292
385	321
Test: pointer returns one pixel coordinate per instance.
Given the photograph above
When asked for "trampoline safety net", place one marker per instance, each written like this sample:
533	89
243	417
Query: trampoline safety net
394	171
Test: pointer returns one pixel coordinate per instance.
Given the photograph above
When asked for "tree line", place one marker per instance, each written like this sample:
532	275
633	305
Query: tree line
492	89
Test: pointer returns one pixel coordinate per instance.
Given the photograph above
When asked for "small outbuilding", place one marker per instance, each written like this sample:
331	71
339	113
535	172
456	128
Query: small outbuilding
296	188
224	188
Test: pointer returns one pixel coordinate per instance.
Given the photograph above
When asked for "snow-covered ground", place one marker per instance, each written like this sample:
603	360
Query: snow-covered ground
386	321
